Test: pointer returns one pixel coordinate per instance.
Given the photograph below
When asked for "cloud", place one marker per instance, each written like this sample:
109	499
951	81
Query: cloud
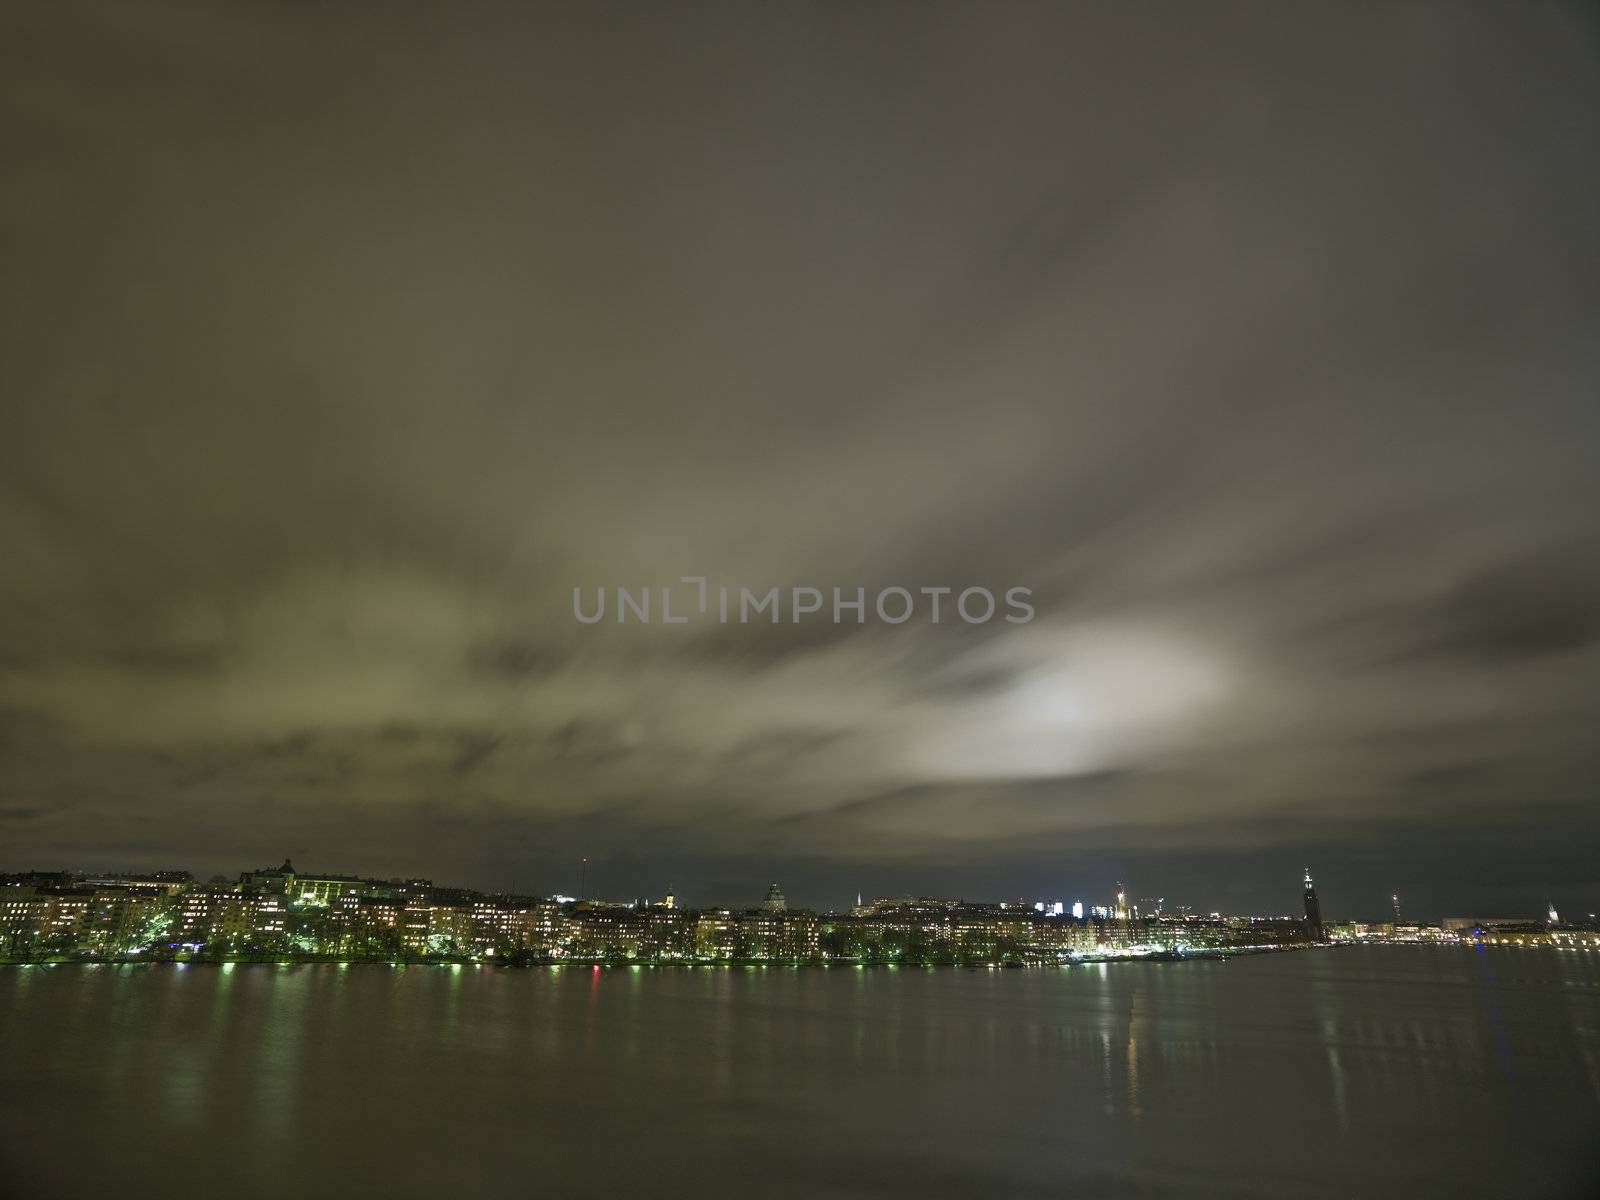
333	375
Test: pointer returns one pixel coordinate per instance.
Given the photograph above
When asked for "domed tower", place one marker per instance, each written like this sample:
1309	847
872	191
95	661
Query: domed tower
774	901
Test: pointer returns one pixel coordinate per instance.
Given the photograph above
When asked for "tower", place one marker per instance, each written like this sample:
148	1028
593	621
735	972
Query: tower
1395	901
774	901
1313	910
1122	902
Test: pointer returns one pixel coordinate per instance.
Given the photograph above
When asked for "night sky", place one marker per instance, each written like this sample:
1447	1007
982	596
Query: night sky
341	344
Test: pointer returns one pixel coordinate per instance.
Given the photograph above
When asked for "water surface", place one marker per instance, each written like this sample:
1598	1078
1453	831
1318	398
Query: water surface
1372	1072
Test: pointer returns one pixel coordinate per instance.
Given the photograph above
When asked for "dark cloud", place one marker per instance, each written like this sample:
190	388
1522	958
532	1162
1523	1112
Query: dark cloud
475	750
513	660
1518	611
342	345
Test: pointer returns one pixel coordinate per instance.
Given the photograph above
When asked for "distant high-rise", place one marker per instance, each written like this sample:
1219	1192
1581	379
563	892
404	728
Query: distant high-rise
1313	910
1555	918
774	901
1077	909
1395	901
672	897
1121	909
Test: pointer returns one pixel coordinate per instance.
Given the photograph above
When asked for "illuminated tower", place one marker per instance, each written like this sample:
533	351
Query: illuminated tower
1313	910
1555	919
1121	910
1395	900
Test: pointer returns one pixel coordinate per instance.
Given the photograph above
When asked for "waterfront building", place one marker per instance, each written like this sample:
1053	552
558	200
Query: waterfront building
507	924
666	934
778	934
716	934
452	928
610	931
224	920
24	919
760	933
1059	935
415	921
115	918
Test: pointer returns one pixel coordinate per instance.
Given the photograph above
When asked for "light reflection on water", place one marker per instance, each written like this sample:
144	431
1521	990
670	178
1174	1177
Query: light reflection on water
1379	1071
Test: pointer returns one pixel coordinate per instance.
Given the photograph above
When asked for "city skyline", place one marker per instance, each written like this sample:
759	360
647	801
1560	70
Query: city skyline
1213	883
291	914
1117	901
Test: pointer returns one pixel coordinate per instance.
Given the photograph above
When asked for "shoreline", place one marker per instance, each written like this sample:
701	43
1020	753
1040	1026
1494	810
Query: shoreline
1209	954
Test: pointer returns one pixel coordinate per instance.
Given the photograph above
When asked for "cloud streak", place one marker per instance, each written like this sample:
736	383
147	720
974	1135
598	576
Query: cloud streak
341	349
